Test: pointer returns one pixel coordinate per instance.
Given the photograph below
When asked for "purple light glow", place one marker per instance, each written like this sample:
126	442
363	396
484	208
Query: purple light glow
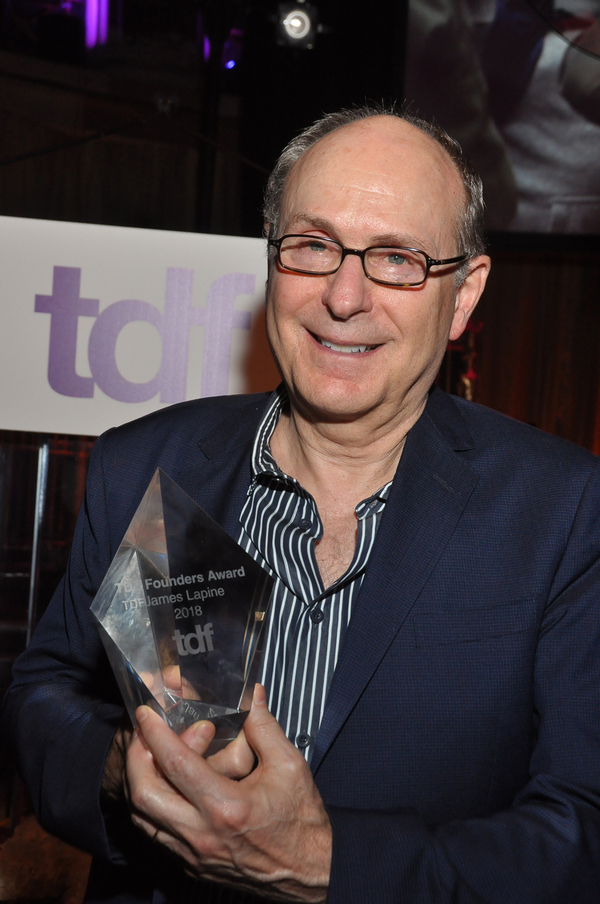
91	23
229	64
206	49
103	21
96	22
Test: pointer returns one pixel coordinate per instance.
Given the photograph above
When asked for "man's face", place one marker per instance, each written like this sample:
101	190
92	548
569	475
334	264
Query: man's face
346	346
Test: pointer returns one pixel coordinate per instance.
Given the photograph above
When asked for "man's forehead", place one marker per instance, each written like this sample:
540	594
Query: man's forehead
383	143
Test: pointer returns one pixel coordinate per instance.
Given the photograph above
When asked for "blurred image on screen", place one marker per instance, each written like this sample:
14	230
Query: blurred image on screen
517	83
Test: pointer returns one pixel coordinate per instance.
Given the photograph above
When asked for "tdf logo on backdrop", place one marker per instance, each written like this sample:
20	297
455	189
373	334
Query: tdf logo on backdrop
218	318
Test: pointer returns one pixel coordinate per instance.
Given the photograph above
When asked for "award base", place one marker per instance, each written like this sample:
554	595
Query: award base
227	722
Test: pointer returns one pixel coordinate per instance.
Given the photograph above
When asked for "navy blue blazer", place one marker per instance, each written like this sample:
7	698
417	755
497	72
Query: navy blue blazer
459	752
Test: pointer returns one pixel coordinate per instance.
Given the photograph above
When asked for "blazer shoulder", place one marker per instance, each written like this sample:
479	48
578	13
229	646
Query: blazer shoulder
176	437
189	421
495	432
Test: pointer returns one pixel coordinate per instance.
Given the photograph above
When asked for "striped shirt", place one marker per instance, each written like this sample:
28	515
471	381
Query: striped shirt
280	526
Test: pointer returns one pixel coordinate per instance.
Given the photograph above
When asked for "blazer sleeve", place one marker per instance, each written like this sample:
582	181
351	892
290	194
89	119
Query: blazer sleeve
546	846
63	707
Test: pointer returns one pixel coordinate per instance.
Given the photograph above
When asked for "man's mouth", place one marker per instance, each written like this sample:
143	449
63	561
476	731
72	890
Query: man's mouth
346	349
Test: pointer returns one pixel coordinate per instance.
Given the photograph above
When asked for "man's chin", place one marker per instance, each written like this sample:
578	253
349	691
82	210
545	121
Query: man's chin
335	405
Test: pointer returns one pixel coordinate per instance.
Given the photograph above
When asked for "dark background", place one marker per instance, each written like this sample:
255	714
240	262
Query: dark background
202	163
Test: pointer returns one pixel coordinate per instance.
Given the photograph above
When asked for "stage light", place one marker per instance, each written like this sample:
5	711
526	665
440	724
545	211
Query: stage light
298	24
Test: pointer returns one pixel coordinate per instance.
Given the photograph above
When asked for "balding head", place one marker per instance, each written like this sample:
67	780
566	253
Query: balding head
469	219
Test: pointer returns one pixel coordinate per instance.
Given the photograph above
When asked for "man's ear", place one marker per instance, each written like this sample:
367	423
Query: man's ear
268	232
468	294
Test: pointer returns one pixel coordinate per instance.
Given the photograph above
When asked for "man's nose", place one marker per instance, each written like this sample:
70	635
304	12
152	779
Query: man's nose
348	291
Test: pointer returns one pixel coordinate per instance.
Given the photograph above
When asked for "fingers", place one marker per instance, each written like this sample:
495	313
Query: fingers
174	792
171	676
188	690
264	734
156	806
270	824
181	764
198	736
148	679
235	761
151	794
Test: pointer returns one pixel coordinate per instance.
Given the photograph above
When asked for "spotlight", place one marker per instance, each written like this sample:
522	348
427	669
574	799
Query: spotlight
298	24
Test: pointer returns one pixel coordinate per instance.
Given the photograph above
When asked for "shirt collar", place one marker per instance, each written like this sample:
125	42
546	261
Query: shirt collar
264	463
262	457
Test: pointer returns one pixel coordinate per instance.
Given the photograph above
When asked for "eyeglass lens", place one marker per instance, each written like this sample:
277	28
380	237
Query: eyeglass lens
398	266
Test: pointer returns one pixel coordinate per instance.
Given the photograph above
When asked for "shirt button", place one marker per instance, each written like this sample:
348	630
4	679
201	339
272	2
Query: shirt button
303	740
317	616
305	524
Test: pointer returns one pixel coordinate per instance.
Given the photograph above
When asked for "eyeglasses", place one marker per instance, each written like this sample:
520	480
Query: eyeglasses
388	265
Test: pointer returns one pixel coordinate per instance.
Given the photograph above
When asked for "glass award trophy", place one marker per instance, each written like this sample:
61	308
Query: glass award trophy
181	611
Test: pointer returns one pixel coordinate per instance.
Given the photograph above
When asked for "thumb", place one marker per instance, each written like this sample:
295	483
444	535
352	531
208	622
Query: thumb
262	731
198	736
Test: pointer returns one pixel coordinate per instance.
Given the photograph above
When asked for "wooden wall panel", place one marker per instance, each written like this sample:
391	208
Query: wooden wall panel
539	348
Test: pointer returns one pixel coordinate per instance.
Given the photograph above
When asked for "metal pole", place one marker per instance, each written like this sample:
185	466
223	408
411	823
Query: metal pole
40	504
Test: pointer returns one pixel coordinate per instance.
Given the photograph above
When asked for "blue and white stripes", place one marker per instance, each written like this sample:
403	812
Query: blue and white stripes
280	526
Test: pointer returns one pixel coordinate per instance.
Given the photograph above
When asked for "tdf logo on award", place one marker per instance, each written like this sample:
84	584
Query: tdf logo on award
198	641
219	319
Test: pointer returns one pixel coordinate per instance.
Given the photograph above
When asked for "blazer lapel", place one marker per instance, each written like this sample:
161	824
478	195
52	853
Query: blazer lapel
431	489
217	474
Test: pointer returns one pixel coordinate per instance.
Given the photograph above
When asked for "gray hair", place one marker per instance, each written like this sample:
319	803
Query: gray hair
470	229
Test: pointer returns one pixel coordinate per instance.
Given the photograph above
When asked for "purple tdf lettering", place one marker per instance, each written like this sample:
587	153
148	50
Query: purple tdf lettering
218	318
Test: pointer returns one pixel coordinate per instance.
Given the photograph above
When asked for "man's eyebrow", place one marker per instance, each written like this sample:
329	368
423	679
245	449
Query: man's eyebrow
307	220
395	240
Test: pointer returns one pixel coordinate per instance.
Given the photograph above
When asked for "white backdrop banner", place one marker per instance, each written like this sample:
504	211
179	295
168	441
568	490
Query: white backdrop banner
102	324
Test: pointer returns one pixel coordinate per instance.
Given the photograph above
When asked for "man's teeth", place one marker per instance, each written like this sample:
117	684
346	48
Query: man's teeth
347	349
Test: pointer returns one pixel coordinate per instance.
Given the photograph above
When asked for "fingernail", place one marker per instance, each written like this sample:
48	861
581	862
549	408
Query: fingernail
259	696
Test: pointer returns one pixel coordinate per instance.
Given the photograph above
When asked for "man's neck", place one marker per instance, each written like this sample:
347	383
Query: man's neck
343	461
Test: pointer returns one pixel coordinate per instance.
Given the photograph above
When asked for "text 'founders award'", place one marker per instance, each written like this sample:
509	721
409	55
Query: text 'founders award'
181	611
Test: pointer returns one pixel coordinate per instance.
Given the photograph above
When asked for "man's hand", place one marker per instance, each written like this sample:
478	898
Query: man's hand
263	829
235	761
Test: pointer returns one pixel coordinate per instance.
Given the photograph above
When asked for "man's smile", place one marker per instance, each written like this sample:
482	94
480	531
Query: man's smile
345	349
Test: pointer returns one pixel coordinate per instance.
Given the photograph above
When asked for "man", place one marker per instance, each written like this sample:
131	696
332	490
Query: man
433	645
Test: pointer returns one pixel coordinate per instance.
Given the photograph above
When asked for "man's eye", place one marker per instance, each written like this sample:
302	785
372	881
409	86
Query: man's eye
317	246
396	258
